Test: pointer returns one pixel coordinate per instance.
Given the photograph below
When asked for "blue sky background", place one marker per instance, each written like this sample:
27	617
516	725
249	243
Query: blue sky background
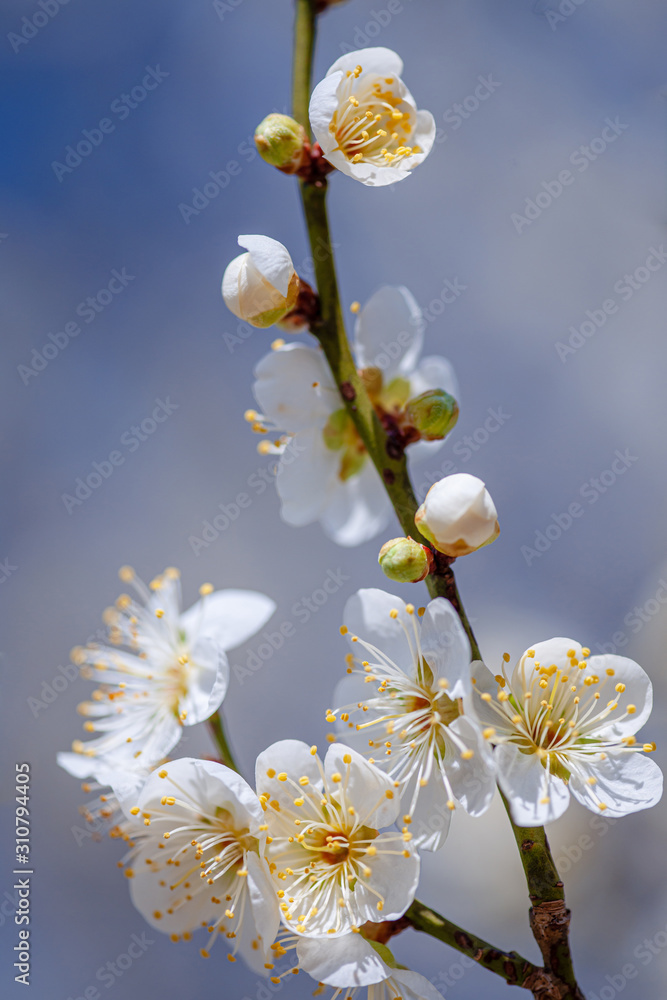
557	78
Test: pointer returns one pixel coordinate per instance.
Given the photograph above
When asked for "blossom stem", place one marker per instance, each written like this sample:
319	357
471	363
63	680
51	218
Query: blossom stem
514	969
217	729
305	27
549	916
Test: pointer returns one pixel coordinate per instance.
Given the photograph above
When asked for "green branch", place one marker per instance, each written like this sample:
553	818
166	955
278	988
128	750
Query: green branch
514	969
305	26
549	916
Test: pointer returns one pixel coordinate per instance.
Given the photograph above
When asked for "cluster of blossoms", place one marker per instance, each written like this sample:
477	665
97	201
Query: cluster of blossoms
320	853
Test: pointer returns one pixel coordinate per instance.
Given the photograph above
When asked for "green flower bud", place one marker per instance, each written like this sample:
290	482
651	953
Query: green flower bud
404	560
282	142
433	414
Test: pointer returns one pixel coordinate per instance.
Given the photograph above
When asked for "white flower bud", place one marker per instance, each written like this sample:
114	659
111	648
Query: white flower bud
260	286
458	515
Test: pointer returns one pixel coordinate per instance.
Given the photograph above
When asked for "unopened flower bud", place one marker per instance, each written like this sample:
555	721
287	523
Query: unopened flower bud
404	560
260	286
282	142
434	413
458	515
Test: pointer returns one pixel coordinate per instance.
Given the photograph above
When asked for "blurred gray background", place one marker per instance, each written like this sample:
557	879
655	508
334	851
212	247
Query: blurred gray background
555	72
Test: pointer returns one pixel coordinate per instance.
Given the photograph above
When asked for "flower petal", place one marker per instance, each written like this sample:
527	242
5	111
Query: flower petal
547	653
434	372
79	765
638	692
207	684
393	880
527	785
323	104
348	960
227	617
230	284
263	902
358	508
295	388
369	174
367	615
445	647
293	758
424	136
375	59
472	780
431	817
307	476
271	259
389	332
367	789
416	987
624	783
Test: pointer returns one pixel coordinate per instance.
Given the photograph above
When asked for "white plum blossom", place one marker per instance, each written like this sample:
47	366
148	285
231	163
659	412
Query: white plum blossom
366	120
565	722
352	964
333	866
197	858
458	515
260	286
408	703
324	472
162	669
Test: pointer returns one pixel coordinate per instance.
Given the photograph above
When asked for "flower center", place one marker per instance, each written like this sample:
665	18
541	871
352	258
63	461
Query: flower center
432	708
559	713
341	435
176	681
372	122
